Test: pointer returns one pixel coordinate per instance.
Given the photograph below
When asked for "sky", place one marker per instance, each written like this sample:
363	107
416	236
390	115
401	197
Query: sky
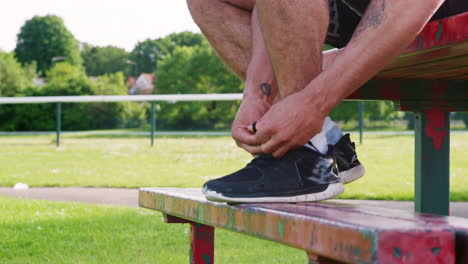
100	22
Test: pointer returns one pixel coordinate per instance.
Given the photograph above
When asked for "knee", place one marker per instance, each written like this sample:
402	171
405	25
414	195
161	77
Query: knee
197	6
202	10
196	3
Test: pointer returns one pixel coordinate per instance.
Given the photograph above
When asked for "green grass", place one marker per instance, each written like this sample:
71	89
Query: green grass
190	161
51	232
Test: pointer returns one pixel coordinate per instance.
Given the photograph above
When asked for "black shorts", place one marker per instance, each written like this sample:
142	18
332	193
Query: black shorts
345	16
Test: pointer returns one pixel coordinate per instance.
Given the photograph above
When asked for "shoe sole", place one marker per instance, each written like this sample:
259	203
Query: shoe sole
352	174
332	190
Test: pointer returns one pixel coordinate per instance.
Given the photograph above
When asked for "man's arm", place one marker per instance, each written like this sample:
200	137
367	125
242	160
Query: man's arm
386	29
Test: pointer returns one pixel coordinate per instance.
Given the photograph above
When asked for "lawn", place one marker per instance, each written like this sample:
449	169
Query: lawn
51	232
190	161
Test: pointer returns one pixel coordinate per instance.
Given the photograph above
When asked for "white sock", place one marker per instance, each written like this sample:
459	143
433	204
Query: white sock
330	135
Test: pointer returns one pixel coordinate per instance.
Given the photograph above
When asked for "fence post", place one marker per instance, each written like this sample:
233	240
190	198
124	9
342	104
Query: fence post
361	120
153	122
58	122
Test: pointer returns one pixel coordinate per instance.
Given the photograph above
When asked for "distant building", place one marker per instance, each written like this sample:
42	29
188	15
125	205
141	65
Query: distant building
141	85
38	81
94	78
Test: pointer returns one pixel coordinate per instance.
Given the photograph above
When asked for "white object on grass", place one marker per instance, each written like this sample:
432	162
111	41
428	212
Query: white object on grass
21	186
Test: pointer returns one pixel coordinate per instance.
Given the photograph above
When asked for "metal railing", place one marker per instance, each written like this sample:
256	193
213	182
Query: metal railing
58	100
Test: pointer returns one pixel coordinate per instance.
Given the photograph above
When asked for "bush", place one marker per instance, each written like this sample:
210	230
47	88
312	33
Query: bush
373	110
65	79
13	78
134	115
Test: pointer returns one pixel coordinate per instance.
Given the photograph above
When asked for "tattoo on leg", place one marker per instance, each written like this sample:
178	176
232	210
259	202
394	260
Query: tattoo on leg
266	89
373	16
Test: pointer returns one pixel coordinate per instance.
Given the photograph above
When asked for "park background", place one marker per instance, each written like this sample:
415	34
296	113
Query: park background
48	60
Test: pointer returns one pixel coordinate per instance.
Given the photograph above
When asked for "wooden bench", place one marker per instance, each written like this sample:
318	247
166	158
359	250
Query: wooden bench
430	79
329	232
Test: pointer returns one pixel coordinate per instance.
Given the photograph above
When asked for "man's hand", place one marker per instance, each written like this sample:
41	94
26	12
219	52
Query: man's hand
289	123
251	110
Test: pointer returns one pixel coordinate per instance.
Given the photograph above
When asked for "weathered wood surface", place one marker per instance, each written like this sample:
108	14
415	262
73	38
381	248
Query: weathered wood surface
342	232
440	51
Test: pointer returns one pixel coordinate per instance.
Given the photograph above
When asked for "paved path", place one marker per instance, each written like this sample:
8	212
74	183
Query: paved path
112	196
129	197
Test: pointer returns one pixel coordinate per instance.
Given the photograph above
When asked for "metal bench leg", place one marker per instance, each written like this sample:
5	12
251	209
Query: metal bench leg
202	246
432	150
202	240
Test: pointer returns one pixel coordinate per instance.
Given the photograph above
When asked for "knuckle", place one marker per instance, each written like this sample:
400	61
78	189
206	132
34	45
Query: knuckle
277	154
282	138
267	149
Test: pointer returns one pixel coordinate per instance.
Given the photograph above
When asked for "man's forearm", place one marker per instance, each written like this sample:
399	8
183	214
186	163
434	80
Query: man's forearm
386	29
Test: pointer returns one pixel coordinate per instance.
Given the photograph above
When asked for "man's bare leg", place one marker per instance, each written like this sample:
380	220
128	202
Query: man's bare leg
232	29
232	37
294	33
228	28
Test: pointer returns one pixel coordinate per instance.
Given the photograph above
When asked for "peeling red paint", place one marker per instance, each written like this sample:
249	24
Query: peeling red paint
390	91
438	90
435	127
411	247
442	32
202	240
202	247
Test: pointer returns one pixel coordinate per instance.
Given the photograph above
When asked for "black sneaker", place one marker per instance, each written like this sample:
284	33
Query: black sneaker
349	167
302	175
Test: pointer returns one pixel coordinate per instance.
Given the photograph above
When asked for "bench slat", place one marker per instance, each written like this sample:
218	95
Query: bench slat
444	40
336	231
411	62
415	71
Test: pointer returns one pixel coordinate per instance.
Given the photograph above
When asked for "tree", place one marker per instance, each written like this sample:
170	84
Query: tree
148	53
196	70
66	79
43	38
111	84
373	110
60	75
13	78
104	60
183	39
